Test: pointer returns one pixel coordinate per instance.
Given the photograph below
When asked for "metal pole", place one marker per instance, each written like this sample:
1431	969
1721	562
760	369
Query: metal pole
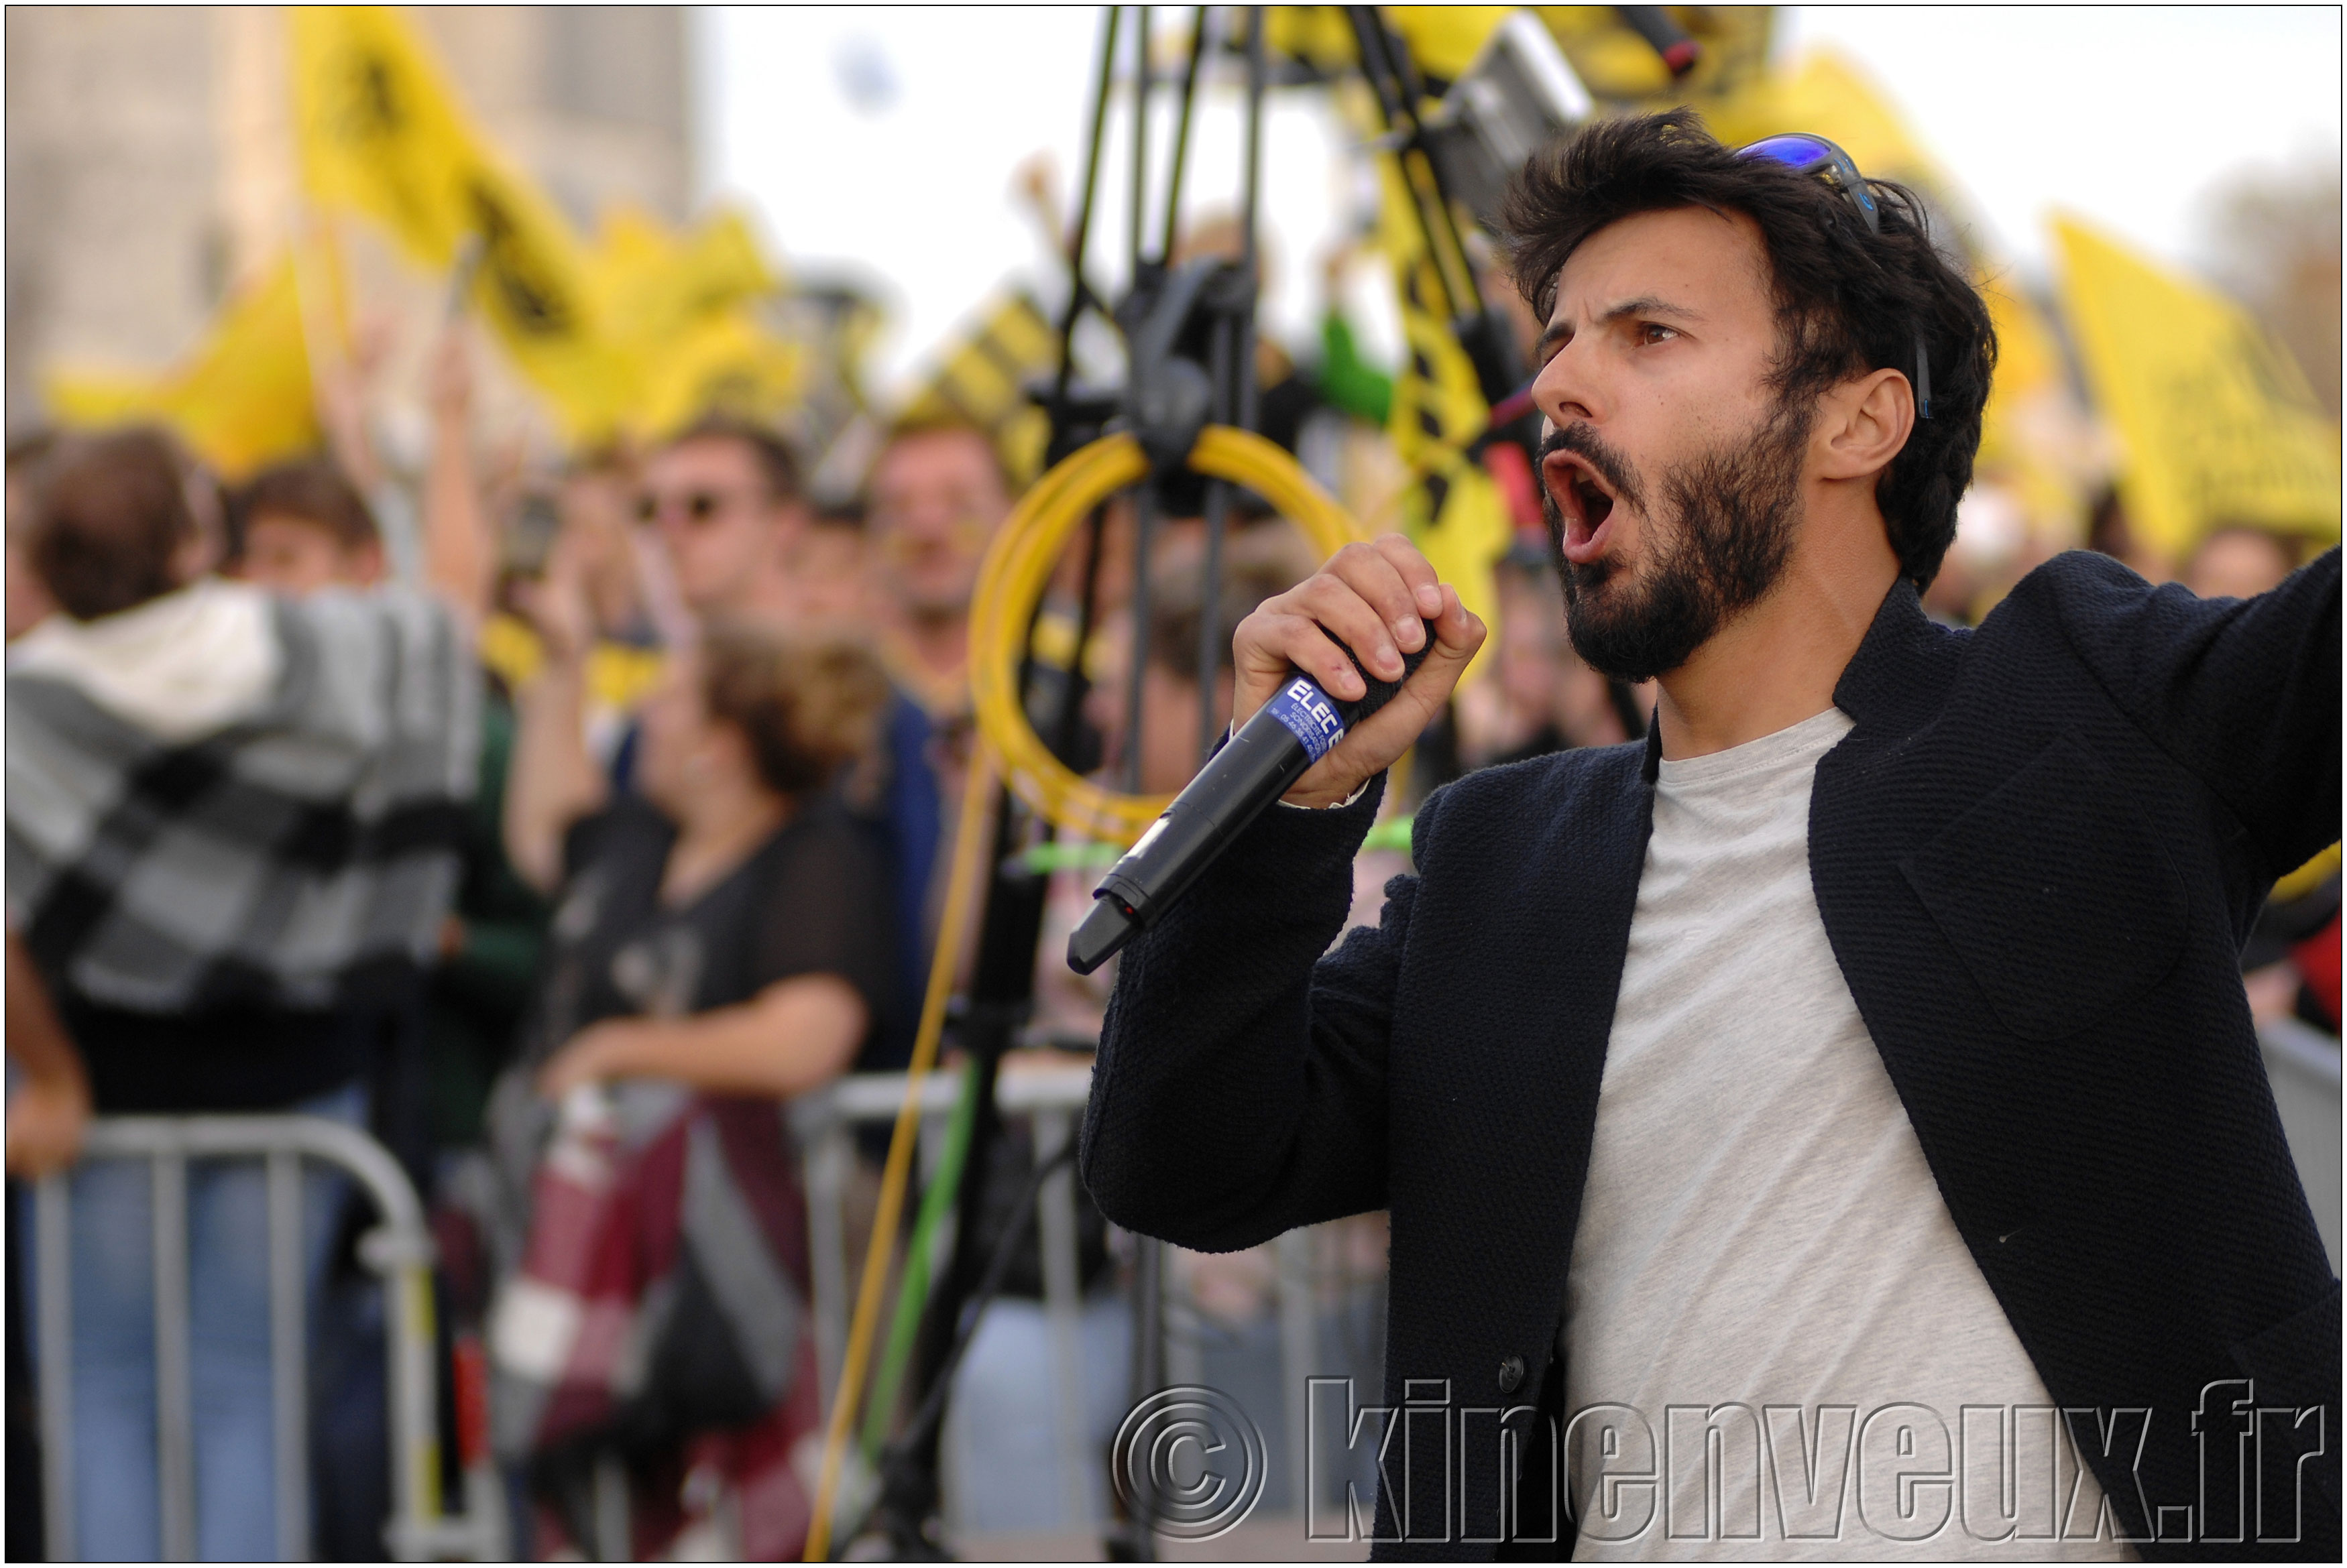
53	1244
1210	577
1140	129
175	1440
1082	236
1147	1252
1055	1216
1144	511
827	1167
1299	1351
289	1383
1251	256
1198	46
1148	1377
1236	395
404	1259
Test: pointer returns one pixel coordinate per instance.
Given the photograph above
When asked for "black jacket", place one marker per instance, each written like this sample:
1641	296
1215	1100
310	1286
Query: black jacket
2036	856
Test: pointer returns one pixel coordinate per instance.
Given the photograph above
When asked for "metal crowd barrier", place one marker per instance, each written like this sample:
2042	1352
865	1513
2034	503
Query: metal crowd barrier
2302	1065
399	1249
1052	1099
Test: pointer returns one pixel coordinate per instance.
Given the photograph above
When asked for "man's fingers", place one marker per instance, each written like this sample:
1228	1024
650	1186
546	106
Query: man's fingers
1281	638
1417	571
1354	621
1375	573
1455	627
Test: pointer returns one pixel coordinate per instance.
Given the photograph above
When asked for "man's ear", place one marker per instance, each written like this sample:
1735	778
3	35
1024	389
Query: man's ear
1863	423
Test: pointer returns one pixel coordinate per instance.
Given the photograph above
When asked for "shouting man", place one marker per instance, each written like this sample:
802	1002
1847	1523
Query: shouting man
1851	1086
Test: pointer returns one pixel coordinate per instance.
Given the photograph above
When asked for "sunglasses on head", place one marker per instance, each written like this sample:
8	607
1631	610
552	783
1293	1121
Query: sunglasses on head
1814	154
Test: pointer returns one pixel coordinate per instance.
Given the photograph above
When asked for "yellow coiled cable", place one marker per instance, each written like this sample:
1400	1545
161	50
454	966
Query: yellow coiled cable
1020	563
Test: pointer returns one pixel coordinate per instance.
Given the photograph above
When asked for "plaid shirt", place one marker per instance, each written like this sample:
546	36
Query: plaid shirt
300	842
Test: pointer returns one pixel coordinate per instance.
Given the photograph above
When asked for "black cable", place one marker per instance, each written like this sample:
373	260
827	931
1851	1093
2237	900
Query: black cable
997	1266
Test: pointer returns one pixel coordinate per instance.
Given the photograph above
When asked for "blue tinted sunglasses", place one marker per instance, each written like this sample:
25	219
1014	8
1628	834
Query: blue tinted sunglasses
1806	154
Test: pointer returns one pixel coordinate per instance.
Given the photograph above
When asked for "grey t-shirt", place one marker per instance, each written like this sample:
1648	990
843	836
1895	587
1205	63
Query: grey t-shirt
1776	1343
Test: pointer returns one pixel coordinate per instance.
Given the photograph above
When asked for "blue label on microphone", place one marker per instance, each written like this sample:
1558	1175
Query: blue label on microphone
1308	714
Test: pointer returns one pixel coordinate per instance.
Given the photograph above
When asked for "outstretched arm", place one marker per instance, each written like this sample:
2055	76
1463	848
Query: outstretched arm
2242	692
554	781
459	562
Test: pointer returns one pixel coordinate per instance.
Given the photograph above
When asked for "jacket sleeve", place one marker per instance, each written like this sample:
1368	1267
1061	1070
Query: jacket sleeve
1240	1089
2244	693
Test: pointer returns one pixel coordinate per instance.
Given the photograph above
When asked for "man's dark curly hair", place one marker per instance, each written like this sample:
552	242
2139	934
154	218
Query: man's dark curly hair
1848	300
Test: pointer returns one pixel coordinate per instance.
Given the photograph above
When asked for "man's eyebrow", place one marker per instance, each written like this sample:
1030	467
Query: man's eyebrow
1644	305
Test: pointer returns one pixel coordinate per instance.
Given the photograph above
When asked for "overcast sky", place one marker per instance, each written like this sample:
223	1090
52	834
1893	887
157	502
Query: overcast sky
882	142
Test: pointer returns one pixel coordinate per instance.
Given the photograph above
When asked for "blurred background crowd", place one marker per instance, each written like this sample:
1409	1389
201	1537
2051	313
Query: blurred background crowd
489	657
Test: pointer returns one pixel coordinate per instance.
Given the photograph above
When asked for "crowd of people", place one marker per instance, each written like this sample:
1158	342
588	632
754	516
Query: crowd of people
554	829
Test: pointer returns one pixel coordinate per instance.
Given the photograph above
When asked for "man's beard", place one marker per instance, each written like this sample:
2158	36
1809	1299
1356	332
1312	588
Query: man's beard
1721	544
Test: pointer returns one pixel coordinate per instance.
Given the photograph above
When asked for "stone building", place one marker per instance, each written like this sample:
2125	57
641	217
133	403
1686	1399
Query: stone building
150	165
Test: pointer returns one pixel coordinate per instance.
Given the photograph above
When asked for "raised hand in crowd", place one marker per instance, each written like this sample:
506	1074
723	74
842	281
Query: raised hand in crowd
459	558
555	781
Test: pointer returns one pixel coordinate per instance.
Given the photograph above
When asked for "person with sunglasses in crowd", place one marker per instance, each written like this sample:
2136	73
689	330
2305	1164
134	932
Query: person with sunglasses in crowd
1856	1072
728	501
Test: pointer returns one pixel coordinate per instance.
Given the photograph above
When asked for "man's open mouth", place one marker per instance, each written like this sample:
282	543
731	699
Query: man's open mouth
1583	500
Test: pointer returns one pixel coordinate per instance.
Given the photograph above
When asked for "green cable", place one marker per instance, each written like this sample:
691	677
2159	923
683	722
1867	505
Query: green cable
1078	855
912	1291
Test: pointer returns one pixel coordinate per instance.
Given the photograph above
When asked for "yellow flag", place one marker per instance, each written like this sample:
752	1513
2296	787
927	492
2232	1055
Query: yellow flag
1443	40
678	309
382	132
726	362
2219	423
650	281
242	399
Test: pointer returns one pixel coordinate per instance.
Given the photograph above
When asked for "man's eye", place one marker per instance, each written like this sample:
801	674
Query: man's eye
1655	332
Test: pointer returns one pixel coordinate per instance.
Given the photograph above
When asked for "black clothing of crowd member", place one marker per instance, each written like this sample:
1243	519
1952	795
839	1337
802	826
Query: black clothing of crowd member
1869	1041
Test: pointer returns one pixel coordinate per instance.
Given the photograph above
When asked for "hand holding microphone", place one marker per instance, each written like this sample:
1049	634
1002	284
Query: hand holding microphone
1312	726
1383	600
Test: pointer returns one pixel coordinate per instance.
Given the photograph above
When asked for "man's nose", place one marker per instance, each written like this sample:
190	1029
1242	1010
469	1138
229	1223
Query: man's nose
1564	391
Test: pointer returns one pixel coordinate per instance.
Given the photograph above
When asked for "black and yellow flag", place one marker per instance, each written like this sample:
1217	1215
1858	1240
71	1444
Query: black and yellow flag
380	133
1455	513
982	380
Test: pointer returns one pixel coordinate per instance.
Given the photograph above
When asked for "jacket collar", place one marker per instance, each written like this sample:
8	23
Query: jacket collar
1896	680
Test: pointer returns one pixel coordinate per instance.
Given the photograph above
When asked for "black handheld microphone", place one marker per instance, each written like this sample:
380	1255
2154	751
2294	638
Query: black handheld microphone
1258	765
